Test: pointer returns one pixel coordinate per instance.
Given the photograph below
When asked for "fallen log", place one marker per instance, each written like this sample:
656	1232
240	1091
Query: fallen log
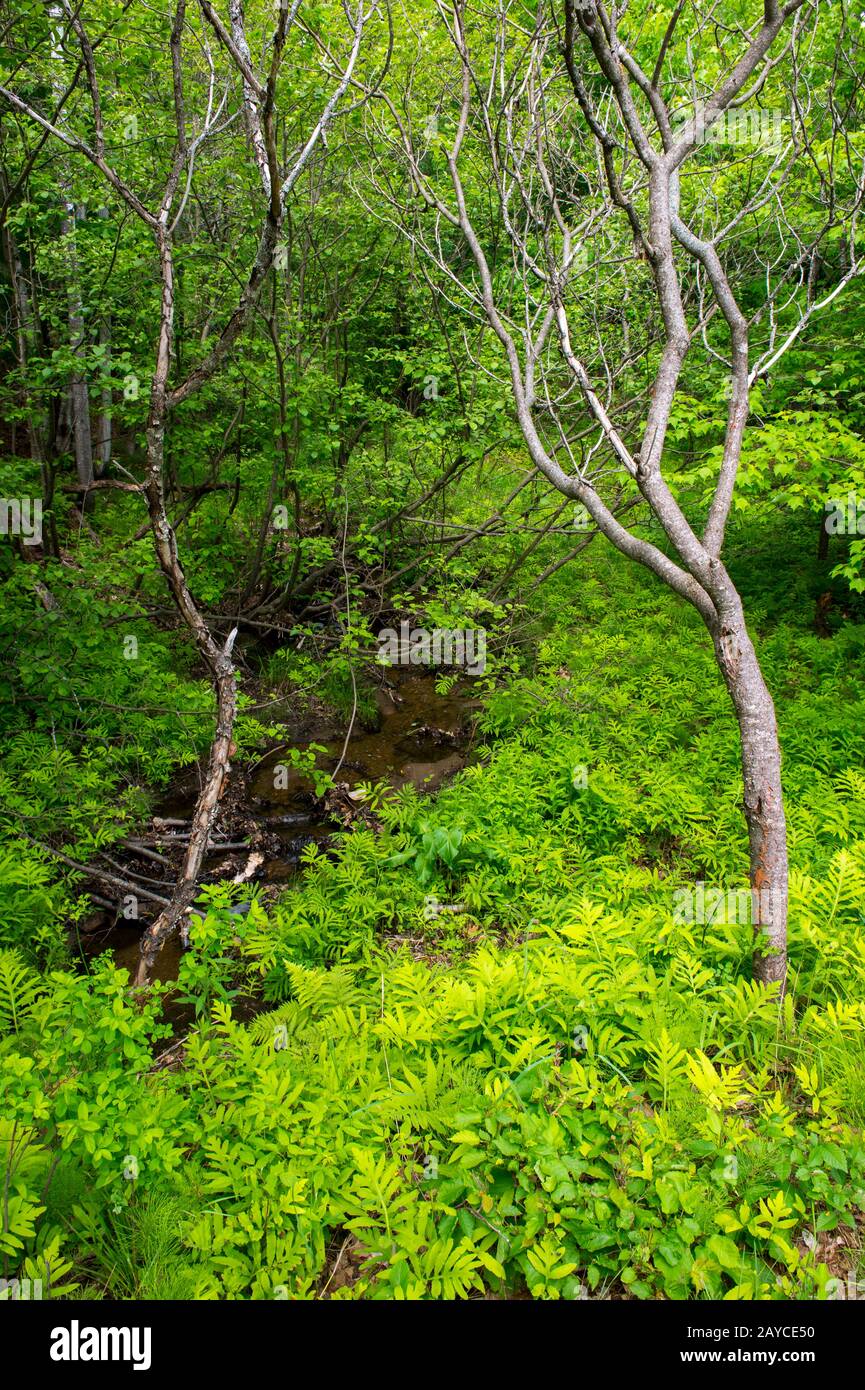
94	872
144	853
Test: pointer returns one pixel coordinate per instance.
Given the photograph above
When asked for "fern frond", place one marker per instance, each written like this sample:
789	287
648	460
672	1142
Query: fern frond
20	988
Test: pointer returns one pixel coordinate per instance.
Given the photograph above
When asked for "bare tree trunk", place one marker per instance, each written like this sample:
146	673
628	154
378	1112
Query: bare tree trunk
207	805
763	793
279	468
823	543
26	333
218	660
79	394
103	422
259	99
24	337
494	105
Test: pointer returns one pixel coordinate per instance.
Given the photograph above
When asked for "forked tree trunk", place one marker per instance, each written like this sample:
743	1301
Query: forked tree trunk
217	659
259	105
694	570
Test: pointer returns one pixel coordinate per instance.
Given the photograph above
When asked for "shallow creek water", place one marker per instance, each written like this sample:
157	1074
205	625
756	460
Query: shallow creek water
423	739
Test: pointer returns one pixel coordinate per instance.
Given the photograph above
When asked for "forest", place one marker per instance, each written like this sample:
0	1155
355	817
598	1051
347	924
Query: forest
432	618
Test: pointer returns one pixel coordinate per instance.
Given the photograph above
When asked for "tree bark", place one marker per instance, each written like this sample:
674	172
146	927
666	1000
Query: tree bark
103	422
79	394
823	543
763	794
218	660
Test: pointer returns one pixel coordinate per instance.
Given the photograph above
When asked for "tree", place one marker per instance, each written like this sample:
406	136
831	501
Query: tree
79	395
609	258
196	123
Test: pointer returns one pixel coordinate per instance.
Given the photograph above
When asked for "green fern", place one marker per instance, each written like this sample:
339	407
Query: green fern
20	989
667	1064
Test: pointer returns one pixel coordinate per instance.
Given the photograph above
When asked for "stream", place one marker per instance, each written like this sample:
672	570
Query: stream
423	739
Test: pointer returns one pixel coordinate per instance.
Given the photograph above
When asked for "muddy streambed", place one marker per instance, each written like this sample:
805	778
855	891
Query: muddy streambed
422	739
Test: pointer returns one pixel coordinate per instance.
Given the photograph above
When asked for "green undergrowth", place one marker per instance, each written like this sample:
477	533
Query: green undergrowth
490	1056
99	708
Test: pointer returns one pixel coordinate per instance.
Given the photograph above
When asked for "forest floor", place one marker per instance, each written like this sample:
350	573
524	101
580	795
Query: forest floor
463	1041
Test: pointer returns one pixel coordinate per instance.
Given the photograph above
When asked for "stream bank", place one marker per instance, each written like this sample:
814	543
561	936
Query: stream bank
271	813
